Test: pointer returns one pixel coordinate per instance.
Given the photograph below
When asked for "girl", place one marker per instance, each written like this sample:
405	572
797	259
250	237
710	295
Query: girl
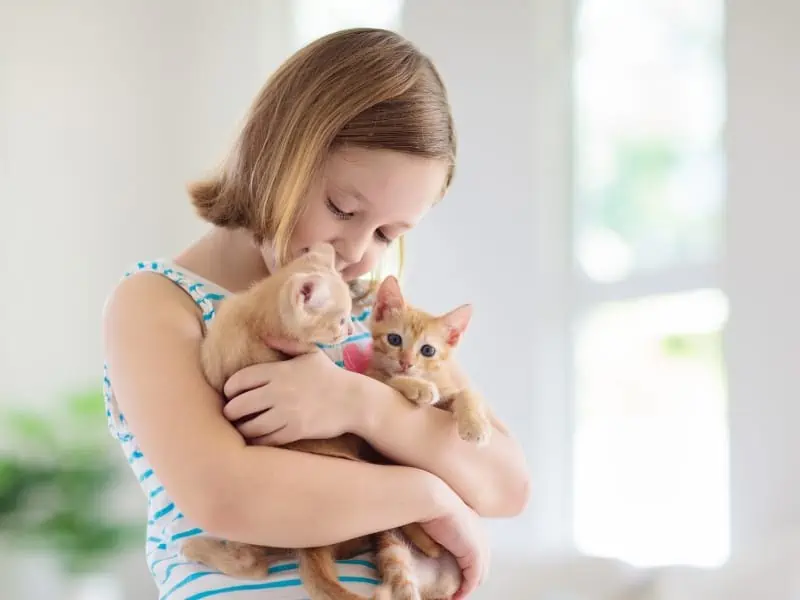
350	142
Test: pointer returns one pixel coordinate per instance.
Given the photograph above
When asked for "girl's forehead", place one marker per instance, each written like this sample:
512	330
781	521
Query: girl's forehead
384	179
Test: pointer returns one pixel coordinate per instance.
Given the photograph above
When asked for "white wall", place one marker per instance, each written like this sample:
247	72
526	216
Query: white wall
763	278
108	110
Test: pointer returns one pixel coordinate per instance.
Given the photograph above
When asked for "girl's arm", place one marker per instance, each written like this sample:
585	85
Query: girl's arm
261	495
492	479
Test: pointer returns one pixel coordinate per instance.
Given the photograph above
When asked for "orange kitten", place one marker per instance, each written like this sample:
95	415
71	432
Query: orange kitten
411	353
306	301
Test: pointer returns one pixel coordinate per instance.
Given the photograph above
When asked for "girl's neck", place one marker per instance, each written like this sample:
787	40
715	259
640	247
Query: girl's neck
229	258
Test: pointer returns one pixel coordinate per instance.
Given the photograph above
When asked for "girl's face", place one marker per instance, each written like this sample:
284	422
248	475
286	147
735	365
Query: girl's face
364	200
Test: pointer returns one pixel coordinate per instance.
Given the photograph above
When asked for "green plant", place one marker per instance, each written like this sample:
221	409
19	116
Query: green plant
55	486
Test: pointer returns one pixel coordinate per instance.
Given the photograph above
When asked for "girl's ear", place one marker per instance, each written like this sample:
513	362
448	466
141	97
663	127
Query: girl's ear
389	298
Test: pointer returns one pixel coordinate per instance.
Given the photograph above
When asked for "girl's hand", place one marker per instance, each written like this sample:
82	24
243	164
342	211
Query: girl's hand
305	397
461	532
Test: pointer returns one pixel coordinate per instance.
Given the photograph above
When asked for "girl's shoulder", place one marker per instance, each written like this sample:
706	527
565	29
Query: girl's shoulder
161	285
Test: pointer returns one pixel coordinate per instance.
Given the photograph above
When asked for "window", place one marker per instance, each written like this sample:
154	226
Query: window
650	444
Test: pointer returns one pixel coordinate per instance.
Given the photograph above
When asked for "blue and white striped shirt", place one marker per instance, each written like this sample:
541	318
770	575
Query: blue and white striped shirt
177	578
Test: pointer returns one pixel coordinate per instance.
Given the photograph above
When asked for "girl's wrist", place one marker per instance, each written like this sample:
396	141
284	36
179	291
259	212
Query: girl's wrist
365	400
434	497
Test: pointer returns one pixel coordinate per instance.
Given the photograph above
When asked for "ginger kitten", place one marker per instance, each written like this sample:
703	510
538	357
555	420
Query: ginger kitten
305	301
412	352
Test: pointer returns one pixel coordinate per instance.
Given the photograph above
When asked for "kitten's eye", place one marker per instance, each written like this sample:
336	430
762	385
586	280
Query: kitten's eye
341	321
394	339
427	350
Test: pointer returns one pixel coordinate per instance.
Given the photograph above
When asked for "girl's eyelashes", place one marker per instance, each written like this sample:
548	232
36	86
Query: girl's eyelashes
344	216
338	212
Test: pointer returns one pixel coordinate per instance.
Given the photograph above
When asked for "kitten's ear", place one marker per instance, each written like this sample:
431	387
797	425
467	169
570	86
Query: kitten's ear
388	298
323	253
309	291
456	322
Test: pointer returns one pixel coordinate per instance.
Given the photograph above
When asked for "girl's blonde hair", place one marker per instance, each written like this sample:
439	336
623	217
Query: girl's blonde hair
362	87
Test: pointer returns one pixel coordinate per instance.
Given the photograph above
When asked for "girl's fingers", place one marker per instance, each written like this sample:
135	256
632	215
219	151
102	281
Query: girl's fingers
265	424
247	405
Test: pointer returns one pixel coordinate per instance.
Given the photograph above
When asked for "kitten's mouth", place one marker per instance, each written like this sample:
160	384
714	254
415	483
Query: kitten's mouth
404	369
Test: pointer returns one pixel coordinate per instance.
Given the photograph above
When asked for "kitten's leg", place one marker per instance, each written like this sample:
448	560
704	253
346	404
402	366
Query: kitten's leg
417	390
235	559
319	576
351	548
470	413
396	567
417	536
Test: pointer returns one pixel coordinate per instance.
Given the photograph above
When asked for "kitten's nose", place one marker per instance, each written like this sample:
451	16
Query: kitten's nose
350	329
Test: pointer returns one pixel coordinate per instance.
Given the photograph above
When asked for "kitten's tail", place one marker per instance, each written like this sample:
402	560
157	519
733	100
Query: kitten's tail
318	572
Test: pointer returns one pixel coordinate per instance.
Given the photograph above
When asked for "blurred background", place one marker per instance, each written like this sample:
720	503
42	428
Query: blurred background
624	218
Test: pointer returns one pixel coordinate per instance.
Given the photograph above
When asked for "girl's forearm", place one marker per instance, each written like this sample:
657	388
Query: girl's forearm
288	499
492	479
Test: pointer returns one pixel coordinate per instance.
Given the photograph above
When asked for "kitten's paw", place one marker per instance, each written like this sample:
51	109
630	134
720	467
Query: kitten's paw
476	429
427	394
405	591
423	542
419	391
384	592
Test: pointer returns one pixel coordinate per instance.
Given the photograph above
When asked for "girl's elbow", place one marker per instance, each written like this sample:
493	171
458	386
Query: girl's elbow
519	496
214	515
212	506
507	501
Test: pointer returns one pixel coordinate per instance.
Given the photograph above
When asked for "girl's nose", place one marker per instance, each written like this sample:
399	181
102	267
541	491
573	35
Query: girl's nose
351	251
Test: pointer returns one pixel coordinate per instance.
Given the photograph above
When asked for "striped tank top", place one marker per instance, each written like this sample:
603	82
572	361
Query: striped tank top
175	577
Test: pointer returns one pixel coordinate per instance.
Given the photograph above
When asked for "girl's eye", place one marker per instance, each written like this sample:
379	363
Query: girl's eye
338	212
394	339
427	350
